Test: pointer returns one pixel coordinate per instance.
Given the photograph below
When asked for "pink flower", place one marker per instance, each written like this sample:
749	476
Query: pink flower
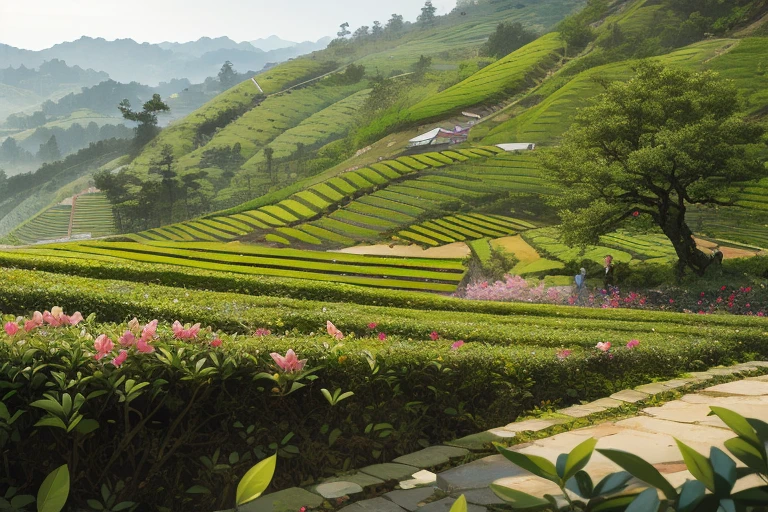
760	313
671	301
456	345
143	347
562	354
289	363
372	325
181	332
50	319
635	213
382	336
216	343
37	318
632	343
604	346
149	330
103	346
333	331
11	328
127	339
701	294
722	288
120	359
29	325
261	331
747	305
434	336
133	325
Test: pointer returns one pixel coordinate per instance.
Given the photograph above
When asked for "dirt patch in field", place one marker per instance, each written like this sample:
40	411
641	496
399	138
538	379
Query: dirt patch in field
454	250
517	246
728	252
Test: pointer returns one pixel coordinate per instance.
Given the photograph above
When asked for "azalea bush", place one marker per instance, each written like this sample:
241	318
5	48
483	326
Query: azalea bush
169	414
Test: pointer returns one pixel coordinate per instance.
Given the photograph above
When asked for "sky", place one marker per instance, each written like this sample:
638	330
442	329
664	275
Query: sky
39	24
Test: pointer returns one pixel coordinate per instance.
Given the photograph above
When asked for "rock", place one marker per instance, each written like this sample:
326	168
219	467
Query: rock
432	456
747	387
363	480
580	411
656	388
533	425
420	479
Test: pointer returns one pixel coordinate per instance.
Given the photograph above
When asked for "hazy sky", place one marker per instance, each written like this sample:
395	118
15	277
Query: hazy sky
38	24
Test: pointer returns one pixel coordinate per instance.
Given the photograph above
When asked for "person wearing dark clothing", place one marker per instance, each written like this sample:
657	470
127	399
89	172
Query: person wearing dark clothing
608	277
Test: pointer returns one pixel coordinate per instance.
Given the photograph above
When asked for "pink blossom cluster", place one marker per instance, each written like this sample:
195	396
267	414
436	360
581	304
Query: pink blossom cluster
290	362
54	318
512	288
185	332
137	336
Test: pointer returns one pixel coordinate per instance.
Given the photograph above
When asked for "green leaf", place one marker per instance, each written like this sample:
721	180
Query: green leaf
560	465
519	499
95	504
581	484
579	457
264	375
612	483
21	501
691	494
51	421
334	436
725	472
198	489
646	501
739	425
614	504
52	406
460	505
755	496
327	395
727	505
123	505
255	481
539	466
698	465
54	491
746	453
345	395
87	426
641	470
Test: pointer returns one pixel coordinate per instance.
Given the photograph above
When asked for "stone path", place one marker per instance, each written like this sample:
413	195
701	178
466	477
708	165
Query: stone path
650	434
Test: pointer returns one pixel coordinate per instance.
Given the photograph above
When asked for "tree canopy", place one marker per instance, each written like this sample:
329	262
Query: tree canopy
147	117
646	150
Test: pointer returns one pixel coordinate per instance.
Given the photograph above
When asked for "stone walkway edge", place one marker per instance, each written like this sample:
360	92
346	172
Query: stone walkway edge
418	488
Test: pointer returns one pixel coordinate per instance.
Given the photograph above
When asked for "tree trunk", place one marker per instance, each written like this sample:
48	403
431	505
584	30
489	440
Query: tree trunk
688	255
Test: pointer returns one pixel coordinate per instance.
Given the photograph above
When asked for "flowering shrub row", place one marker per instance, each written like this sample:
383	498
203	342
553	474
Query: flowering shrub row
151	410
743	300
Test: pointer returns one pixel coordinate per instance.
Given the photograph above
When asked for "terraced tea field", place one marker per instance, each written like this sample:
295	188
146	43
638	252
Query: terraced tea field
503	78
278	219
401	204
52	224
461	227
93	214
420	274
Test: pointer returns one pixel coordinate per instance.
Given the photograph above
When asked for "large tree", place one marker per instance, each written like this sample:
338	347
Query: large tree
427	16
147	117
227	76
647	149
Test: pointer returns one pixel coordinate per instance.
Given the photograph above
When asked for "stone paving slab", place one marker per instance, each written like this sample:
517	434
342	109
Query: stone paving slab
410	499
475	442
533	425
287	500
581	411
331	490
419	479
482	497
445	504
363	480
432	456
477	474
653	389
630	395
372	505
747	387
390	471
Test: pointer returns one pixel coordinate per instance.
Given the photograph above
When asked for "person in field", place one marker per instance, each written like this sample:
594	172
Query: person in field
608	276
581	284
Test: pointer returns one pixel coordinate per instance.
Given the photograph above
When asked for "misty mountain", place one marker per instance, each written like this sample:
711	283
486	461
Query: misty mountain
50	77
272	43
206	44
127	61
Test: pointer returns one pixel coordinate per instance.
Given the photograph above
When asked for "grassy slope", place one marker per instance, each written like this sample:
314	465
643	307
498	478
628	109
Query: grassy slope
82	117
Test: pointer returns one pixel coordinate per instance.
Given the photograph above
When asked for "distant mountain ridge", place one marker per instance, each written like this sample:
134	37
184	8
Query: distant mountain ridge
126	60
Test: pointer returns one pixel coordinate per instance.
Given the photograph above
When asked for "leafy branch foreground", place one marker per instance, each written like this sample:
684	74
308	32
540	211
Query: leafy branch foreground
712	489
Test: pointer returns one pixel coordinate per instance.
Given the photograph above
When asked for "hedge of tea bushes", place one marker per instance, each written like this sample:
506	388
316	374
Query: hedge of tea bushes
113	300
194	414
201	280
